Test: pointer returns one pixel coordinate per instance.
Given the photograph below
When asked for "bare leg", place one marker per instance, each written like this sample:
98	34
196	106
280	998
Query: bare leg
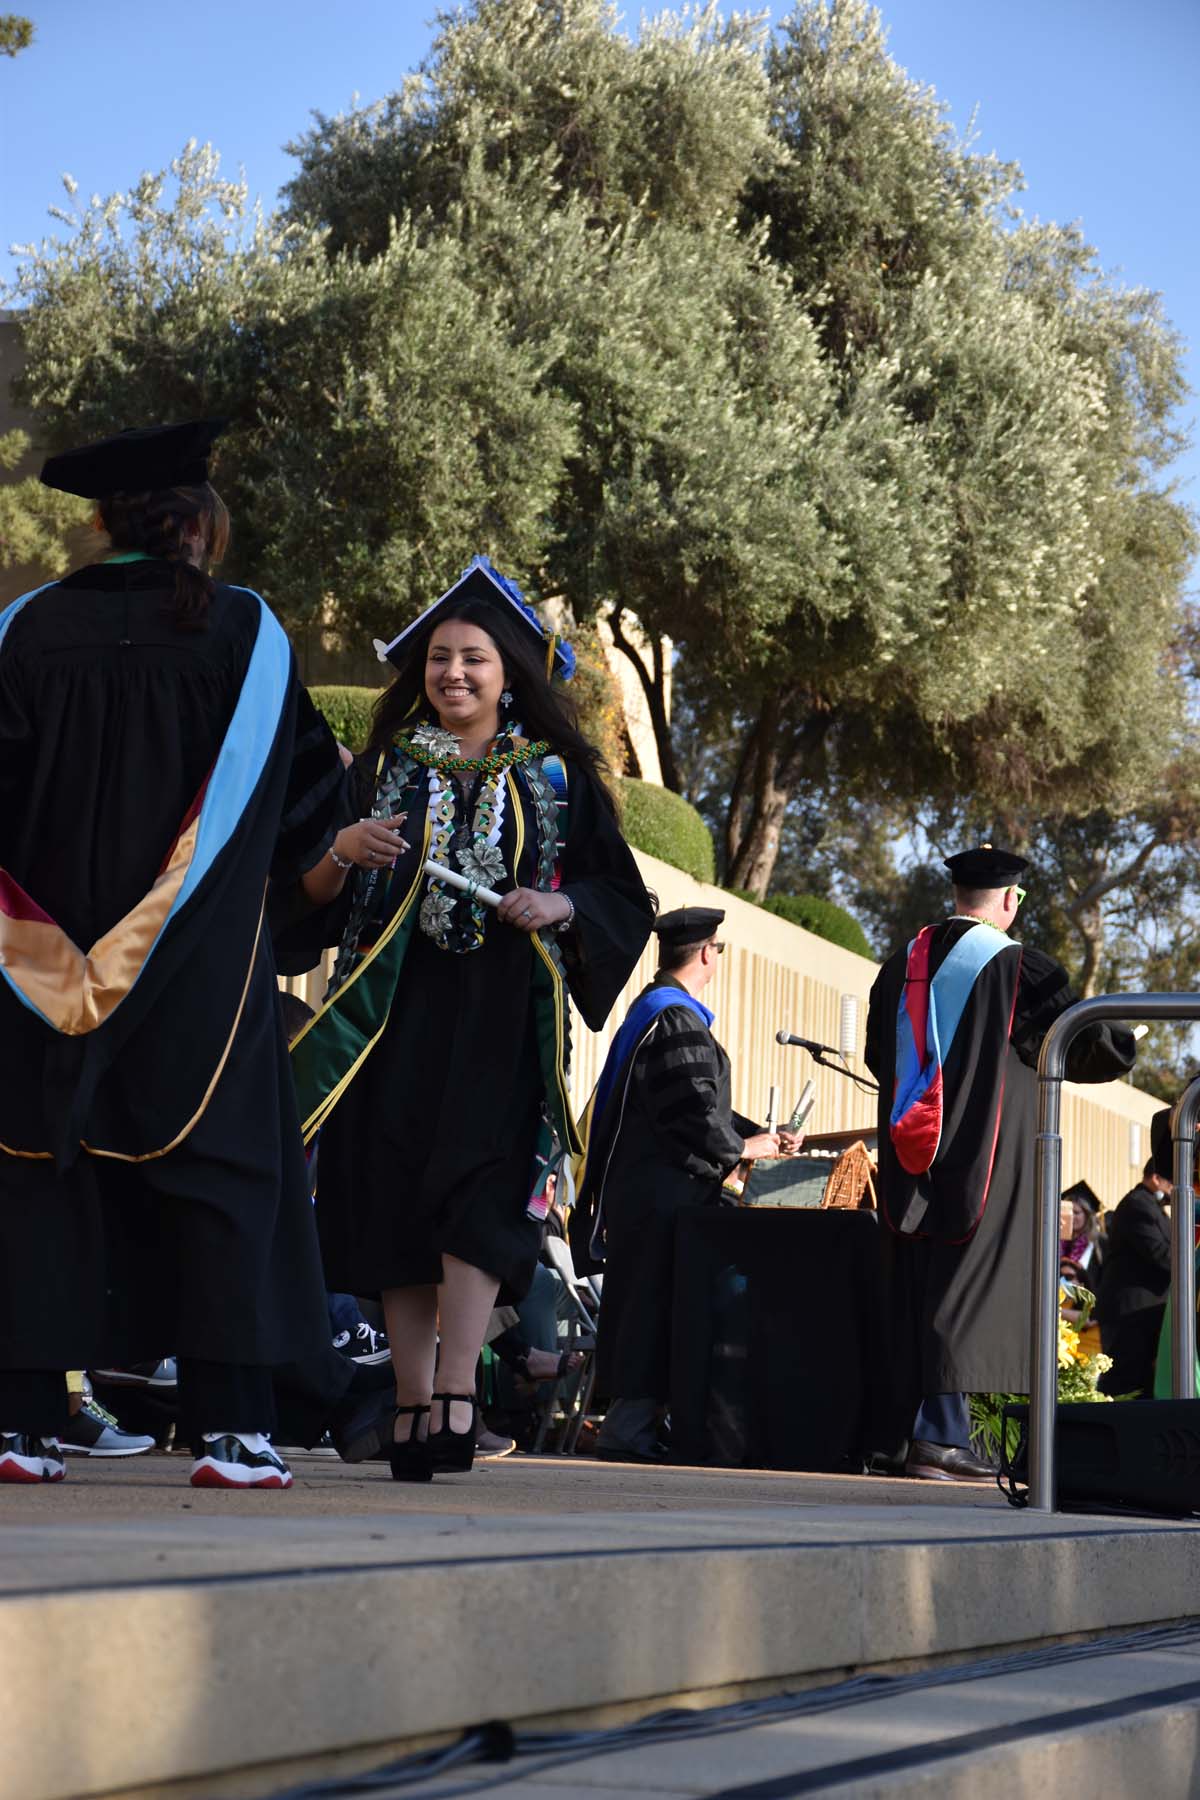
465	1301
411	1314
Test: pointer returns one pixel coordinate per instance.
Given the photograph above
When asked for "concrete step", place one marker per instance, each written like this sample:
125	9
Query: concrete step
187	1640
1108	1720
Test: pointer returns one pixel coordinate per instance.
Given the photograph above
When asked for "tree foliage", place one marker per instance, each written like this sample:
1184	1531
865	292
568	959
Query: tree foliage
727	329
16	34
34	520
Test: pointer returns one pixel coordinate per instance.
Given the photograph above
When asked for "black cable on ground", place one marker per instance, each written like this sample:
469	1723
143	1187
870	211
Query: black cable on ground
536	1752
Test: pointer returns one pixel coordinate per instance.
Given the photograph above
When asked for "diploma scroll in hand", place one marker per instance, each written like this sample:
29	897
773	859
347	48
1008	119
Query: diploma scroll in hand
452	878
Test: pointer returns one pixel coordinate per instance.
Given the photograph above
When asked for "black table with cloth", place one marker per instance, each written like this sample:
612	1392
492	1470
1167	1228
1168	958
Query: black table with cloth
786	1302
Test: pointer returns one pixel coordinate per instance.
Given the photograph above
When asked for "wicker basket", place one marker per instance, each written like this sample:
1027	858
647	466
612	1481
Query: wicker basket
851	1180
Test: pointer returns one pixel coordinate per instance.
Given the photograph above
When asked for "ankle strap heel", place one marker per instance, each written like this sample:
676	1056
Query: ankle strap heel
411	1460
453	1452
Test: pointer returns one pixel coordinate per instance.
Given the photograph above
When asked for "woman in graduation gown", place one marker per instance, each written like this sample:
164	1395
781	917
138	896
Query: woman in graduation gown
159	760
436	1071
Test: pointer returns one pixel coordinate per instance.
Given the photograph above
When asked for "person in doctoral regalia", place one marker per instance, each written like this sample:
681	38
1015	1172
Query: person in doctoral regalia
955	1025
663	1136
159	759
437	1069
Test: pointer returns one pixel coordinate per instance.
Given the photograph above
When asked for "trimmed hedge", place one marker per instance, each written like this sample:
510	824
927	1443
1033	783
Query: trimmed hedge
824	918
347	711
665	825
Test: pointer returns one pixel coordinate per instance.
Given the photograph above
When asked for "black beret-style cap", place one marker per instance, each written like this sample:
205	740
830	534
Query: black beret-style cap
985	867
143	460
688	925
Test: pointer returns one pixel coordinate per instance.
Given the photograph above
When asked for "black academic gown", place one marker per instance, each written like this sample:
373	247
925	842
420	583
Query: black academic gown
667	1142
431	1149
959	1287
1134	1283
110	722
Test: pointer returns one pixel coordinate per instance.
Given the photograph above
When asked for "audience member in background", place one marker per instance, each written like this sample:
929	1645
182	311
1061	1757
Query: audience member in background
663	1137
436	1070
1135	1280
1083	1246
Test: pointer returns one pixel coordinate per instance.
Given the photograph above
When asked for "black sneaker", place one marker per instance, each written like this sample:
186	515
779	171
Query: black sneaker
364	1344
229	1463
24	1457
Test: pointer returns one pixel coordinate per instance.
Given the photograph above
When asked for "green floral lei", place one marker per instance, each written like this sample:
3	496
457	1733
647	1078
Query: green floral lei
494	763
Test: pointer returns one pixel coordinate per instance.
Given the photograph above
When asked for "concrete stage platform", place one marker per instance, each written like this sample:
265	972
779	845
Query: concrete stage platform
160	1640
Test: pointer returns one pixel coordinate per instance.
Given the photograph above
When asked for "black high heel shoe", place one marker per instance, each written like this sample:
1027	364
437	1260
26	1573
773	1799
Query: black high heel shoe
411	1460
453	1452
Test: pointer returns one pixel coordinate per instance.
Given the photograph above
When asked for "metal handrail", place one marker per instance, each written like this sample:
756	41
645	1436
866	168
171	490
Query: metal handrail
1052	1068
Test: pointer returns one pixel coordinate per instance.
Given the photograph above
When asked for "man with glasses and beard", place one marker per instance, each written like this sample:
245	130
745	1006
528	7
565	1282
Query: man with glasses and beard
956	1022
663	1137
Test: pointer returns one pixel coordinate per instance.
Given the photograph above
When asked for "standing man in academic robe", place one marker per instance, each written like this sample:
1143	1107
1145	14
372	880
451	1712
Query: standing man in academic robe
662	1139
1131	1301
955	1026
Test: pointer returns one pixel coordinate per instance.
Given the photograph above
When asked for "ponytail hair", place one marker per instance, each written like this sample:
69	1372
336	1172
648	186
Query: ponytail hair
157	523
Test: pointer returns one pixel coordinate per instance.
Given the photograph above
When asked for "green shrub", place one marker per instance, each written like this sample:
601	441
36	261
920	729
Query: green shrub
347	711
824	918
663	824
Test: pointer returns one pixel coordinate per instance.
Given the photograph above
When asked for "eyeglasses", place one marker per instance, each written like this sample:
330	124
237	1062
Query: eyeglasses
1020	893
718	945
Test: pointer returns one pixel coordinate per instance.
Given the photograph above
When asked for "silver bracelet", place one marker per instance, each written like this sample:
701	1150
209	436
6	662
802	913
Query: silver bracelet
566	924
340	862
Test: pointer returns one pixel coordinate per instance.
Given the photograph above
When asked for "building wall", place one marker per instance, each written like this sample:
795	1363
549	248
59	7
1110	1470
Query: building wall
776	976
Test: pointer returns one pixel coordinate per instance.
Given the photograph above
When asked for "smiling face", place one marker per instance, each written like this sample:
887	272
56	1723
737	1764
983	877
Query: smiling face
464	678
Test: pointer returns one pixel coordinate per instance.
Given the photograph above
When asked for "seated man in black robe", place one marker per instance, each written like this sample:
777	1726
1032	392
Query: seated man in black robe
663	1138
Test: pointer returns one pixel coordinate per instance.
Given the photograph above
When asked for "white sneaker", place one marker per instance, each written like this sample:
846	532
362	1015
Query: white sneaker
24	1457
235	1459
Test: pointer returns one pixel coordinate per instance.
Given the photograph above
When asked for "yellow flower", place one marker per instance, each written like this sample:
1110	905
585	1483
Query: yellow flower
1068	1344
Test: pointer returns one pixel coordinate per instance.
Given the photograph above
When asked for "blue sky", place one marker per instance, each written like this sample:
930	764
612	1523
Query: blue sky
1095	99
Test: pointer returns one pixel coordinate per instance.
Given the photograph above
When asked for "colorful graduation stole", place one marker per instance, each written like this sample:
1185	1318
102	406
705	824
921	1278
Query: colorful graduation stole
74	991
929	1016
638	1023
97	1058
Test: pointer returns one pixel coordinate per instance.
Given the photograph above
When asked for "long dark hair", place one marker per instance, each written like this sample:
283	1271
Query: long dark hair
157	523
543	710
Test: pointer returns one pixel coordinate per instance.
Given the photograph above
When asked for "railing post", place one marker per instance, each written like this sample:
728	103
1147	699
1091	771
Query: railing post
1052	1068
1183	1244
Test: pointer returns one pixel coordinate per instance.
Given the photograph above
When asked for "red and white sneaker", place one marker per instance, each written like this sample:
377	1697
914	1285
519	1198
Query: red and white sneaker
24	1457
243	1459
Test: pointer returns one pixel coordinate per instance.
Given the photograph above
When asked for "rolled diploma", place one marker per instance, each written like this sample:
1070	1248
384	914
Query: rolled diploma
489	896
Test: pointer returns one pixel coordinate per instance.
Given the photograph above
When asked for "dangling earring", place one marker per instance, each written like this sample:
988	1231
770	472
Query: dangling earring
506	698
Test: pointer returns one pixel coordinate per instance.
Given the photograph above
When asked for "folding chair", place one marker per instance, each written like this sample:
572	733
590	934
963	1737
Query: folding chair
577	1309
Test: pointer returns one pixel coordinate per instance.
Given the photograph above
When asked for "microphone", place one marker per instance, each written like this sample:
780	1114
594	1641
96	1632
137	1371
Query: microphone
803	1043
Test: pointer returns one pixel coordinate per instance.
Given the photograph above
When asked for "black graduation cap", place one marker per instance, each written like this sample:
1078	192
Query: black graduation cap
481	580
1085	1194
143	460
985	867
688	925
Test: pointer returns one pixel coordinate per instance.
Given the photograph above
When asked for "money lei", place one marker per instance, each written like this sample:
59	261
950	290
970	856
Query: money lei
482	860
